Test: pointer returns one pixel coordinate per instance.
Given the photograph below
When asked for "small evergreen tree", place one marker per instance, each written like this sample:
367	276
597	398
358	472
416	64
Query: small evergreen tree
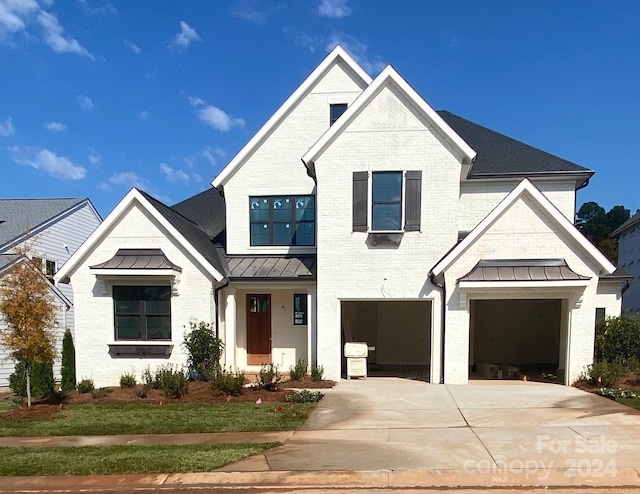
68	370
204	350
42	383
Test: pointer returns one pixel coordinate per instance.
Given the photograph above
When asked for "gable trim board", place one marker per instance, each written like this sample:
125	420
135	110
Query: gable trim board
335	56
525	187
134	196
388	77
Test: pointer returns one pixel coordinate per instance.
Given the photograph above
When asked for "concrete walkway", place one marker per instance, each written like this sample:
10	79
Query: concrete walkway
386	432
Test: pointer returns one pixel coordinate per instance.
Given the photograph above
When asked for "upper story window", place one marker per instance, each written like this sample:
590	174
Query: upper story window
386	201
335	110
142	312
48	267
282	220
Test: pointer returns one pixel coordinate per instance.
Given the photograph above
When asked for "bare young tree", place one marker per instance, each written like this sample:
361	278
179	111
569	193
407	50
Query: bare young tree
28	311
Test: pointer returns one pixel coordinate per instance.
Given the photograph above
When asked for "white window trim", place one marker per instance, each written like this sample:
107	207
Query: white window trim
370	201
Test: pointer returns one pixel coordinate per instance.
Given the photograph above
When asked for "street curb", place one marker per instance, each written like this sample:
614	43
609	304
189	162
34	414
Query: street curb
561	478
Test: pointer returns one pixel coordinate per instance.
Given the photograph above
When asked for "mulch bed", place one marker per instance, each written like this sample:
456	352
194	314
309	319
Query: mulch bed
199	392
628	383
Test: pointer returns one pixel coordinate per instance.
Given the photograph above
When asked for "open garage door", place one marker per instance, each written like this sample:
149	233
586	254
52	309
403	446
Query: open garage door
398	333
516	338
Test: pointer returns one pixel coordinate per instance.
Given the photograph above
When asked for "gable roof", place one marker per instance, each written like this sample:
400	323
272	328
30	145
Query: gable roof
500	155
189	235
207	210
385	78
634	220
335	56
524	187
19	216
7	261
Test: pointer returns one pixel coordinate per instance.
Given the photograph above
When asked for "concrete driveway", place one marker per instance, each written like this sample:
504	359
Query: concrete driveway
493	429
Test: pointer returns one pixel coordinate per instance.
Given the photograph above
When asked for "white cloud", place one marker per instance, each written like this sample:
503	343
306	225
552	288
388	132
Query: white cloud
214	116
212	155
48	162
15	14
185	37
128	180
94	158
55	127
102	10
173	175
56	40
358	50
6	128
254	10
143	115
334	9
85	102
132	46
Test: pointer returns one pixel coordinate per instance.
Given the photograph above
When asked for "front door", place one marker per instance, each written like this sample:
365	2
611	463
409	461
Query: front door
258	329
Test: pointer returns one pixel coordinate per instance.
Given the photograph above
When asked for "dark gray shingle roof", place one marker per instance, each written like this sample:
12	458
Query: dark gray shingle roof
18	216
502	155
195	235
207	210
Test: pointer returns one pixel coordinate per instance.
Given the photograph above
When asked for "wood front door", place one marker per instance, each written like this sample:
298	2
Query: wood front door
258	329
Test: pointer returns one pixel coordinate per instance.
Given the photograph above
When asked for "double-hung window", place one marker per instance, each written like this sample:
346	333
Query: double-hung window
282	220
386	201
142	312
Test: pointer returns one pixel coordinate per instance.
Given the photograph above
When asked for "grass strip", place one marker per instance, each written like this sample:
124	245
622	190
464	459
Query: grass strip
170	418
94	460
6	405
630	402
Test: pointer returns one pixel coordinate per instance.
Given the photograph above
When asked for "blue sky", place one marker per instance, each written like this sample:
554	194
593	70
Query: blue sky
97	97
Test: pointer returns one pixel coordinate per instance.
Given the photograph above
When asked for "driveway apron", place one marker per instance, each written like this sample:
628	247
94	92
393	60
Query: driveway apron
487	427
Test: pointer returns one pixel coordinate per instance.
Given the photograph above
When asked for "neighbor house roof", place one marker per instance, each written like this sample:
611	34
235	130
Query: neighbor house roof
500	155
19	217
633	221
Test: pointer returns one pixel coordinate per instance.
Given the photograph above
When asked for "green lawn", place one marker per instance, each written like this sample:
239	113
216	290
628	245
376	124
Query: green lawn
6	405
124	459
170	418
630	402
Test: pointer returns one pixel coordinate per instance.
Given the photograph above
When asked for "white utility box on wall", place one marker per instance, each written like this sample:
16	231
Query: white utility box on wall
356	354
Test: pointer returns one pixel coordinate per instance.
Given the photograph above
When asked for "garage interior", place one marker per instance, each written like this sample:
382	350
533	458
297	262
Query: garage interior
398	333
511	339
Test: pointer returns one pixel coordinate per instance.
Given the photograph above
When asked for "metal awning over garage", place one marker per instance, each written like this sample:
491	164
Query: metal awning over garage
522	270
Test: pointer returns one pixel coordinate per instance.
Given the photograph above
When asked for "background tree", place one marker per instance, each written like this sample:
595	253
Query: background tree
29	315
68	369
597	225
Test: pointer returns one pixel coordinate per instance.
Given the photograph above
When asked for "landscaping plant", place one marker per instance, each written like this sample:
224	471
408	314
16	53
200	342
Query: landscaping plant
228	382
605	373
204	351
269	378
172	380
68	369
304	396
41	382
618	338
128	380
317	373
86	386
298	371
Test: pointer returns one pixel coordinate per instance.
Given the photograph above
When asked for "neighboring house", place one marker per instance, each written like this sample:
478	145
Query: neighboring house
628	235
356	212
51	230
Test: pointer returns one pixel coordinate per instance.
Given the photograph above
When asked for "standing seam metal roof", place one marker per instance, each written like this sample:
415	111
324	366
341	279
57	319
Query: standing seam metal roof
522	270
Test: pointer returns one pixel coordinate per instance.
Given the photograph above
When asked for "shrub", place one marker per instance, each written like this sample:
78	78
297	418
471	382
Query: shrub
149	380
268	377
605	373
142	392
304	396
317	373
100	392
618	338
173	381
42	383
204	350
230	383
86	386
128	380
298	371
68	369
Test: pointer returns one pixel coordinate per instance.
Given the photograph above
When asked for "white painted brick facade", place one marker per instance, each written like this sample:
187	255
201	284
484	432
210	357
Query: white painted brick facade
94	304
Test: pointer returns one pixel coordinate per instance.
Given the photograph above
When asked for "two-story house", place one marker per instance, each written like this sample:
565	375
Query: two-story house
49	230
628	235
357	212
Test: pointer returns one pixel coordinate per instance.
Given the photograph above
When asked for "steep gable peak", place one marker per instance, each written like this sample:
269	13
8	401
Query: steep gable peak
337	56
389	77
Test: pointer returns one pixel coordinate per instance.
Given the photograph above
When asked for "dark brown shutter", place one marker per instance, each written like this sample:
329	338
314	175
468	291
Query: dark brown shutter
360	201
413	190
